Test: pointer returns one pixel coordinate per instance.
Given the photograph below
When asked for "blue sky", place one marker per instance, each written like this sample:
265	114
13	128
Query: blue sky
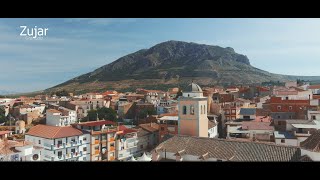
76	46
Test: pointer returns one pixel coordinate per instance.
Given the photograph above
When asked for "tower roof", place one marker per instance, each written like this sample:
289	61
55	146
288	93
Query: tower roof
193	87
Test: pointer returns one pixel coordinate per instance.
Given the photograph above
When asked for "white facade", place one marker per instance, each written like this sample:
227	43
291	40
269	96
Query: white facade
57	119
213	132
287	142
74	148
314	115
127	147
192	94
315	156
315	102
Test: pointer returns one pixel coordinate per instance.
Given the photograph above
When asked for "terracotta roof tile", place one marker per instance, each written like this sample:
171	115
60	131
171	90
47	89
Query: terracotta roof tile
53	111
312	143
97	123
230	149
53	132
314	86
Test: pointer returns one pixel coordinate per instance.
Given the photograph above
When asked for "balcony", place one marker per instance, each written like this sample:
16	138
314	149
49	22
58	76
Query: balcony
112	148
96	152
96	141
301	134
111	158
111	139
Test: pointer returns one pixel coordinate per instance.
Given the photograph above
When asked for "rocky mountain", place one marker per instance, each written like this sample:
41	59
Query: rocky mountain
171	63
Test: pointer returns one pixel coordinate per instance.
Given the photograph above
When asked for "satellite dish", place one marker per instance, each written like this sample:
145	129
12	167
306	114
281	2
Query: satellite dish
103	150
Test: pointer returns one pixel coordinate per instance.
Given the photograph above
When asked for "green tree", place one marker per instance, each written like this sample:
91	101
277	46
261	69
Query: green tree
145	112
107	114
2	115
92	115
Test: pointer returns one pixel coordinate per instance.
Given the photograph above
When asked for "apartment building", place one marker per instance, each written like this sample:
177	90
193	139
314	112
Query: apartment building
60	143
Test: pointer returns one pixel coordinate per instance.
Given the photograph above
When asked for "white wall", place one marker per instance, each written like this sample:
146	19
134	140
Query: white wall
315	156
191	94
288	142
314	113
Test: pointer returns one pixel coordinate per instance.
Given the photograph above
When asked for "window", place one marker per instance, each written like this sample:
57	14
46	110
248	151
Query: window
162	128
84	149
287	98
227	112
84	138
59	154
290	107
313	117
192	109
228	118
290	117
283	140
184	110
60	142
73	150
39	141
279	107
204	109
279	117
233	111
201	109
246	117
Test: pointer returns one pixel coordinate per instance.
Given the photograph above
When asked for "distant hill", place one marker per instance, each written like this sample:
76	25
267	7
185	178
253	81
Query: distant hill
172	63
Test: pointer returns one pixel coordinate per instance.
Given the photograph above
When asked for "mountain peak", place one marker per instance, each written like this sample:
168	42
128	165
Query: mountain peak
173	62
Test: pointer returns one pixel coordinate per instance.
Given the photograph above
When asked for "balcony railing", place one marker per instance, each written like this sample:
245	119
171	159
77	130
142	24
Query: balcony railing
112	148
96	141
111	158
111	139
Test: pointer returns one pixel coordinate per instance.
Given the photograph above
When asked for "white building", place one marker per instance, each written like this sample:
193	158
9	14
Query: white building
314	115
285	138
92	96
314	88
19	151
126	144
60	143
64	117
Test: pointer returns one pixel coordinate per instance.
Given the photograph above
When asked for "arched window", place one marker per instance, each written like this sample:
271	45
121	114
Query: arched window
192	109
184	110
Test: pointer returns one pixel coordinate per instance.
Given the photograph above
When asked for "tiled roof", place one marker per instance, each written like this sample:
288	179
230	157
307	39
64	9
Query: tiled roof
314	86
247	111
97	123
230	149
126	130
5	132
53	111
151	128
53	132
8	147
312	143
249	125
